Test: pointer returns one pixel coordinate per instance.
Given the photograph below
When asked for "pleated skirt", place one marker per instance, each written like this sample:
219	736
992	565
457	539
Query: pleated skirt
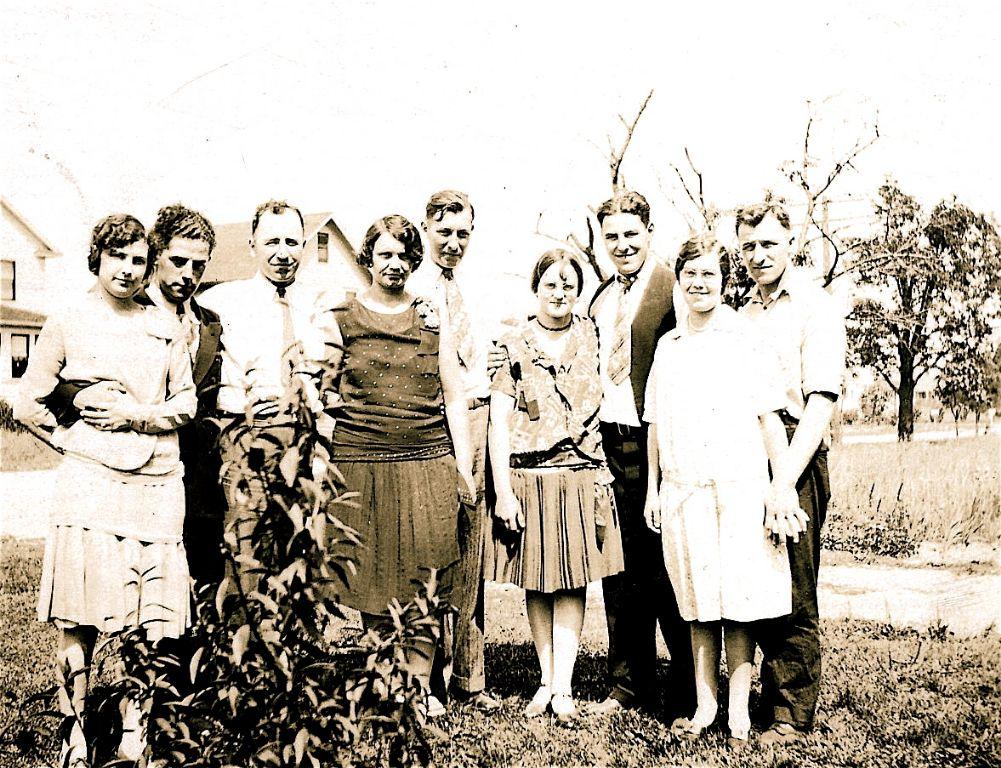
95	575
559	547
407	515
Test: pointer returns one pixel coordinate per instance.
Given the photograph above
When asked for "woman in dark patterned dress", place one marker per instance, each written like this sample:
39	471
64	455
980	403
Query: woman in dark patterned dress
401	436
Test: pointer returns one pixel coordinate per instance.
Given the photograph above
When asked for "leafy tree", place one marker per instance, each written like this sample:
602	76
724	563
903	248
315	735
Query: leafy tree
932	295
873	403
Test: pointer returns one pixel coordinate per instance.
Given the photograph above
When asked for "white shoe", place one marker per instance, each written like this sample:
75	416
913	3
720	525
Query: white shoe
540	702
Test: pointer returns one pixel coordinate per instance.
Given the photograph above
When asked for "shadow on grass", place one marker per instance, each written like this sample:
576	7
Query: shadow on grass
513	670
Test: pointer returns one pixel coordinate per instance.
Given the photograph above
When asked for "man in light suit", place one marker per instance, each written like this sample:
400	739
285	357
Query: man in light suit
632	310
448	226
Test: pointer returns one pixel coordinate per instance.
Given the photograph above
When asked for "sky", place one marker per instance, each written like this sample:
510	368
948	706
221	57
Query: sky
365	108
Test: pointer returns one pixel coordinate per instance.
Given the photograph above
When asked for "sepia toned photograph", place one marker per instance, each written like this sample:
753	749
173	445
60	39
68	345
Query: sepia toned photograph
511	384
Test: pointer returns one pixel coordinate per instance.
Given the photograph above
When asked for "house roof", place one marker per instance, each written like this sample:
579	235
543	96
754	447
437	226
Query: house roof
18	316
28	226
231	259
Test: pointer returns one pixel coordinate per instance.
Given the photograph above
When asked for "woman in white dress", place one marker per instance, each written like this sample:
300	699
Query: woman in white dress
712	409
114	558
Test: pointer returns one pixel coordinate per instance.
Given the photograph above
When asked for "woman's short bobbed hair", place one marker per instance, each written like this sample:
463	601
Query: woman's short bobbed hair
556	256
115	231
398	228
703	245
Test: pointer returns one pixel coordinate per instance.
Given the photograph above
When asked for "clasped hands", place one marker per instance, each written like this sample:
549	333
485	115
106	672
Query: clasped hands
784	518
106	405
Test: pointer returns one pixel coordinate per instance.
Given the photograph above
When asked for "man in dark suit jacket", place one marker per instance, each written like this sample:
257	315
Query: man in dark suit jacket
181	243
633	310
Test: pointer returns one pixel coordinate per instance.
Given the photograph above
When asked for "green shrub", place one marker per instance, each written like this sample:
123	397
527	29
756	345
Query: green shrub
273	682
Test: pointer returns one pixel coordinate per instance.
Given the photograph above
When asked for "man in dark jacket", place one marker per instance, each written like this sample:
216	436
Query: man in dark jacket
633	310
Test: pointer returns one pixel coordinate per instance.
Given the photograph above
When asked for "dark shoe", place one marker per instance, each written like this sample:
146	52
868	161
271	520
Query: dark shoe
609	706
480	700
780	734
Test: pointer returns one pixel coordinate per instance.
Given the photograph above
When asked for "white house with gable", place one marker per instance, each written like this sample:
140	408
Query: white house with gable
328	262
27	261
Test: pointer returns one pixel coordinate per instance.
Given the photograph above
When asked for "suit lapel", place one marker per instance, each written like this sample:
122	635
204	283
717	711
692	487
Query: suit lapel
655	305
208	345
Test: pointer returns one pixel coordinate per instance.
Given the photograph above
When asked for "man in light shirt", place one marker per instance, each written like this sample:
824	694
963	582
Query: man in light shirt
272	337
803	326
270	328
448	225
633	310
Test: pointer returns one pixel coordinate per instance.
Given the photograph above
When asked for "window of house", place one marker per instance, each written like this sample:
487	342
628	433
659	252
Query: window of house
8	282
322	239
18	354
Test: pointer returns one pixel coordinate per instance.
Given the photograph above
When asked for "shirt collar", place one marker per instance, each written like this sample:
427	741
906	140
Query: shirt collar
528	338
725	318
266	286
641	274
788	284
157	297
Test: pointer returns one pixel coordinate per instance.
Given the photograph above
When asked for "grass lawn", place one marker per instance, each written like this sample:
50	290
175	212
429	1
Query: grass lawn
888	497
21	451
890	698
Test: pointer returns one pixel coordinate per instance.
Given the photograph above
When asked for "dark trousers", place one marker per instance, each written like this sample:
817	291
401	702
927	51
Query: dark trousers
641	596
790	645
203	543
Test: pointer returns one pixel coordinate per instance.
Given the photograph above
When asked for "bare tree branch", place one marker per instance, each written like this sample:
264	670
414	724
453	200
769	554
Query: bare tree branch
616	157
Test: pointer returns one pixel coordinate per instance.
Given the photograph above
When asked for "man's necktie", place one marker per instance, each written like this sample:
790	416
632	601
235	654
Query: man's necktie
188	330
289	346
620	358
458	320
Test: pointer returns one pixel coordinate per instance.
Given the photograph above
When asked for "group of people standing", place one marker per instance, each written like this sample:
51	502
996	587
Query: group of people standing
682	464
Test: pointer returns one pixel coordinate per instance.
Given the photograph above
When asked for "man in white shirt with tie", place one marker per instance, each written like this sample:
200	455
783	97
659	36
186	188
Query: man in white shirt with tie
270	332
448	225
270	336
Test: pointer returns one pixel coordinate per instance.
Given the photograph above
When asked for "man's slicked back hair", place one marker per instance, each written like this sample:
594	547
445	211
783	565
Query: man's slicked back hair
447	201
753	214
276	207
625	201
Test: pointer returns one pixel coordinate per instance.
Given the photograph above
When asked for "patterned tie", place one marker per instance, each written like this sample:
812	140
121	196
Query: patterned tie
188	330
458	320
289	346
620	358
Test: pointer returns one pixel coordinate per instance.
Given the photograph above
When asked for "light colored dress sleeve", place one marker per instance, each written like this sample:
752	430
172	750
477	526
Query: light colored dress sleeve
178	408
41	376
503	380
